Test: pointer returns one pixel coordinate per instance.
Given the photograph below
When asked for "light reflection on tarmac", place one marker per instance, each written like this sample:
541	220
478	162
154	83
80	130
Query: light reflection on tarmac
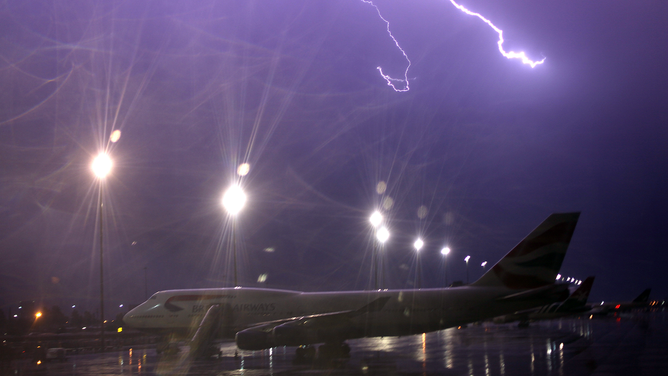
635	345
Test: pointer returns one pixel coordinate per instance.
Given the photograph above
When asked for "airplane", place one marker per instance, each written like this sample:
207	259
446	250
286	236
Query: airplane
260	318
639	303
575	304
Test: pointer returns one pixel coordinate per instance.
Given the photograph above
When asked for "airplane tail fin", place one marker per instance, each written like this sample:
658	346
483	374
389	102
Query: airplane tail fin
536	260
578	299
582	293
643	297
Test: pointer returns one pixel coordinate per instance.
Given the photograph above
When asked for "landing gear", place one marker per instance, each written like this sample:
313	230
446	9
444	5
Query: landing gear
304	354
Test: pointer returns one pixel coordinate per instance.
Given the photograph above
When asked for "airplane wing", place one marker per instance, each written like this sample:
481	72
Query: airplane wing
298	330
374	306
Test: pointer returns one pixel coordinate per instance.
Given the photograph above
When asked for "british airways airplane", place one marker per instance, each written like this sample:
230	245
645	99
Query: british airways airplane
575	305
258	318
640	303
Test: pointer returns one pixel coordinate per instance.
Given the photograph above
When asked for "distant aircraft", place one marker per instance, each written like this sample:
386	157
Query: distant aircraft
639	303
576	304
265	318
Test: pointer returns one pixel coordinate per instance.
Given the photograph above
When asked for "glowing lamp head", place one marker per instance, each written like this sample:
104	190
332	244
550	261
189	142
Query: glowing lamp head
38	315
102	165
243	169
418	244
376	218
484	263
467	258
383	234
234	199
445	251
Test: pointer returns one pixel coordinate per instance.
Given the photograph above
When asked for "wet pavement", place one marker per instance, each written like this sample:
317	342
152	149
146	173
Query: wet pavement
631	345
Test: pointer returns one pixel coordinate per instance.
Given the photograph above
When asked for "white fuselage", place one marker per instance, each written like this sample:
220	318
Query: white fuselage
405	311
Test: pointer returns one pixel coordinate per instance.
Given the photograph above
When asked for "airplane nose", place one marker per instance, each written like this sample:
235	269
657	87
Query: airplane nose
129	318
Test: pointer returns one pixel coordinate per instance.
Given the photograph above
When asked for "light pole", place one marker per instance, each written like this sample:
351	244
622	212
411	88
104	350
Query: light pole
101	167
418	245
382	235
467	268
233	201
445	251
376	219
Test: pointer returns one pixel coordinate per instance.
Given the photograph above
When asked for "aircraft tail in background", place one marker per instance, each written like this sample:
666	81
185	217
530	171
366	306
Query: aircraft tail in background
578	300
643	297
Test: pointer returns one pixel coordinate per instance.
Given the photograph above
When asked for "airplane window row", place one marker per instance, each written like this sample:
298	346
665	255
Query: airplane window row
147	316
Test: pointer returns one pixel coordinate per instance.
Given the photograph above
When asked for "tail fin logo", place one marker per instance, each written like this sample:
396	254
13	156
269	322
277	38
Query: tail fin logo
536	260
582	293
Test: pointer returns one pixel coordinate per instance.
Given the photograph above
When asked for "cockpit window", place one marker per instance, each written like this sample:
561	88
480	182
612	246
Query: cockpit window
155	296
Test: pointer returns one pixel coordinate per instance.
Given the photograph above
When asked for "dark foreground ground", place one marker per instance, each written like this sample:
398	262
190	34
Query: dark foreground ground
631	345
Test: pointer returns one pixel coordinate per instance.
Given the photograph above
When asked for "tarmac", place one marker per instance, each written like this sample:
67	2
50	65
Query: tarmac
629	345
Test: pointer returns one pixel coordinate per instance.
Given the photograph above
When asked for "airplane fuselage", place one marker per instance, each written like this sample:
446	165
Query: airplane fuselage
405	311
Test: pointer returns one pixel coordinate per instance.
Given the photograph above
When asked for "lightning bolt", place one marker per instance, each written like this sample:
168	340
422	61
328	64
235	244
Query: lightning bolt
391	81
509	55
404	81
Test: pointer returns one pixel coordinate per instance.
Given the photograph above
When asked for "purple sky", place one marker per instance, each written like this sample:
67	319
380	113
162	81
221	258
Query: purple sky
489	146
